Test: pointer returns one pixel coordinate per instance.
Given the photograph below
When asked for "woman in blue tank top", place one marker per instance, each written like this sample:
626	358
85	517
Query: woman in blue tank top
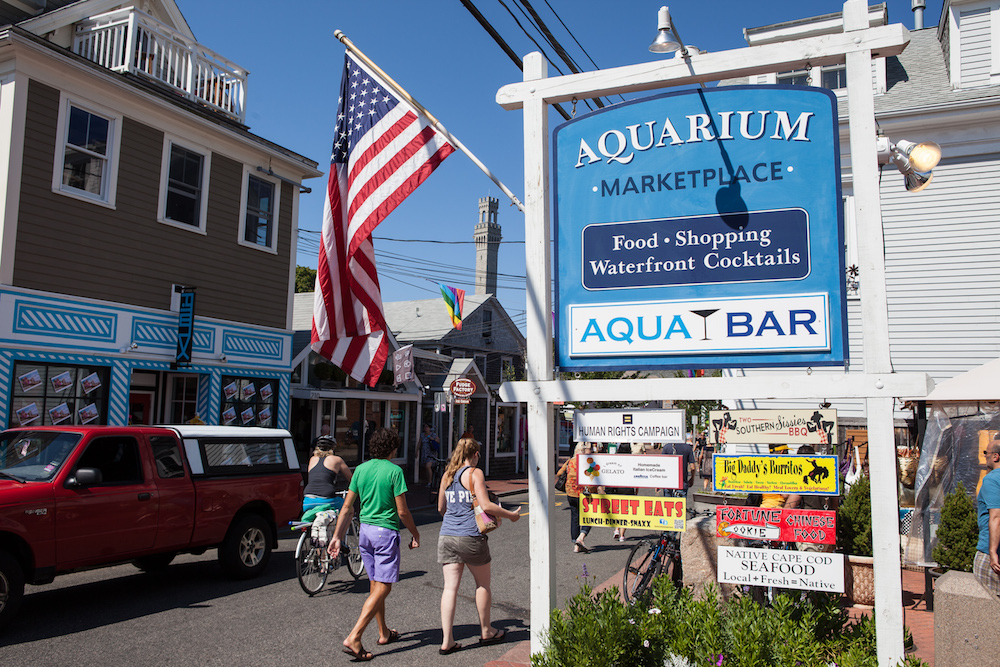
460	544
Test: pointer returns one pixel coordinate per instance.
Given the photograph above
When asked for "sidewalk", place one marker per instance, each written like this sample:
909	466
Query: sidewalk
917	618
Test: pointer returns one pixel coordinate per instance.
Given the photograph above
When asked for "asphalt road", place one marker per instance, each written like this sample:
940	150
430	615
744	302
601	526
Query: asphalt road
191	614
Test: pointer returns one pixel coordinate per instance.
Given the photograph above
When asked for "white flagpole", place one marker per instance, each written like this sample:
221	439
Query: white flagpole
437	124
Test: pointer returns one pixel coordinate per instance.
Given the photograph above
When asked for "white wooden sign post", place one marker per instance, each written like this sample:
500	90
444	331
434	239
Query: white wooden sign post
878	385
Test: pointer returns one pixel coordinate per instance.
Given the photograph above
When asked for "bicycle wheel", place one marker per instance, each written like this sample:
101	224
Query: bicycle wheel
311	565
352	553
640	570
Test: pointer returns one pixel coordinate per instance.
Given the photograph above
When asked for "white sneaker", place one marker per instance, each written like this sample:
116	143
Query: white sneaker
617	535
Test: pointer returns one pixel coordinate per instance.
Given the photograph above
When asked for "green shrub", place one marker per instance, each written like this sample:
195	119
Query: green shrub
958	533
672	629
854	520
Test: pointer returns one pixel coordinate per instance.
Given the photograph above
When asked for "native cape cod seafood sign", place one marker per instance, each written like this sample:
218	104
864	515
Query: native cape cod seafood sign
701	229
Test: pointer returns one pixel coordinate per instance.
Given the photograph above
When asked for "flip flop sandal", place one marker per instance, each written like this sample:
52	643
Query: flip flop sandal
452	649
393	637
361	655
495	639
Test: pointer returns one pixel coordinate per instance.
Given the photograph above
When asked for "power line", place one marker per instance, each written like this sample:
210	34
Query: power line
503	45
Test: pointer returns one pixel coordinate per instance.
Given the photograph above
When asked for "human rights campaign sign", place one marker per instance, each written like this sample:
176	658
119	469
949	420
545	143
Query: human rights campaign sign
701	229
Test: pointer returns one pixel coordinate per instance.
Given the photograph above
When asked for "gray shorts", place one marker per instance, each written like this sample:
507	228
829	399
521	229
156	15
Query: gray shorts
471	550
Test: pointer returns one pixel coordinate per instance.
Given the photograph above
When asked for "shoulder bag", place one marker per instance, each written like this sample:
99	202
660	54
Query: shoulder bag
561	480
484	521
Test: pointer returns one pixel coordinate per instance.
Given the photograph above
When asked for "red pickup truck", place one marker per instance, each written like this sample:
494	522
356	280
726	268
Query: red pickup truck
81	497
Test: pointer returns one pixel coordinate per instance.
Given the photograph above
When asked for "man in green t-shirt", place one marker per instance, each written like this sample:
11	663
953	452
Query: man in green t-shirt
380	485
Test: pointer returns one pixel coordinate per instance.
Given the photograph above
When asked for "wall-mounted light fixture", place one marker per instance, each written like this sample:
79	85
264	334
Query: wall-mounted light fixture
131	346
666	40
914	161
222	357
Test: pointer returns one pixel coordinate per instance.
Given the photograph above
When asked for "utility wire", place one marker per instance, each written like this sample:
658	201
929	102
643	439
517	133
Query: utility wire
555	44
503	45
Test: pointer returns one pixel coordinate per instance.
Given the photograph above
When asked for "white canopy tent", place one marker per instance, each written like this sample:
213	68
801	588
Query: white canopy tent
979	384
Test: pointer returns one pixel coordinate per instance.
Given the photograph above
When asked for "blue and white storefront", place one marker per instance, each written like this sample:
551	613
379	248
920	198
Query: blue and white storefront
71	360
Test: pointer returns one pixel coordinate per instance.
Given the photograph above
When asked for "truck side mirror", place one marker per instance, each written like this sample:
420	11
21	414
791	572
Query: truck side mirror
85	477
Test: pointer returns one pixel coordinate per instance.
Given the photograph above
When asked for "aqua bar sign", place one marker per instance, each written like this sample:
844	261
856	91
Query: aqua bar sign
701	229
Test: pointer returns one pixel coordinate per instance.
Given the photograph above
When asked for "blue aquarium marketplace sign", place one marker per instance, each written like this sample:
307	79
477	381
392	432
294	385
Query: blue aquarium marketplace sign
701	229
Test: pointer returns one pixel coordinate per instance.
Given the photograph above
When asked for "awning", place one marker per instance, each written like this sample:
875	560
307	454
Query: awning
979	384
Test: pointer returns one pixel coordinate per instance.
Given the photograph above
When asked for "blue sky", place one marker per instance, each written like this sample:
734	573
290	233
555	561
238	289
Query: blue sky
441	55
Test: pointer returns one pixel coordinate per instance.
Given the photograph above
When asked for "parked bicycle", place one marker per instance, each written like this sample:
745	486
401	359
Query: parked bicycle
652	558
313	563
648	560
437	472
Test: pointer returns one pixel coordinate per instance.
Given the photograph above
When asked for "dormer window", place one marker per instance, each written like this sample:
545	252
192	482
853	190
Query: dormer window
973	43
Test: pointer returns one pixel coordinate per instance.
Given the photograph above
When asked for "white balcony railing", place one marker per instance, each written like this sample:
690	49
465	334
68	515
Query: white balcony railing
128	40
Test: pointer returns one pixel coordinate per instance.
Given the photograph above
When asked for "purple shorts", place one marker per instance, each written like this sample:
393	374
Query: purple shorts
380	553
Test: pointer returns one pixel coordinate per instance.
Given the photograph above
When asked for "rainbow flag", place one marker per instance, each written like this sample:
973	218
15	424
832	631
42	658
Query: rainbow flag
454	298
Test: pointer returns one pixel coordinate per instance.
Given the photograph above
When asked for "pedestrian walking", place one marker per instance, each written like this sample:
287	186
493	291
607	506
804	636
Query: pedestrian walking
577	533
986	564
461	545
380	484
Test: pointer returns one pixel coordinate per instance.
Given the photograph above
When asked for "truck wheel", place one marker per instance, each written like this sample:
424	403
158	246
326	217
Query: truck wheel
11	587
155	562
247	547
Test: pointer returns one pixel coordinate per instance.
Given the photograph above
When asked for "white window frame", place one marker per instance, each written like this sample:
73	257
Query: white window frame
109	184
249	172
161	207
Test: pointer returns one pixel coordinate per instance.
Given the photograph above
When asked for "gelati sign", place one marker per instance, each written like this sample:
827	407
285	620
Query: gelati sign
701	229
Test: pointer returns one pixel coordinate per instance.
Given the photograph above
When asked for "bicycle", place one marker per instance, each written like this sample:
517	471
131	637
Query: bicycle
437	472
648	560
651	558
313	563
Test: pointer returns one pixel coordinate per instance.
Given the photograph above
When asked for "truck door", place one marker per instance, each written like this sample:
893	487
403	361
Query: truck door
176	493
113	518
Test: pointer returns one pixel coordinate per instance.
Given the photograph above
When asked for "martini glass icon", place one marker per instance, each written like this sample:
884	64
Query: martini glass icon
703	314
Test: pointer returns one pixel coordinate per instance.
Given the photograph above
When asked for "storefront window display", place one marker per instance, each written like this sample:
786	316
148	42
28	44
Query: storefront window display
506	429
49	394
249	401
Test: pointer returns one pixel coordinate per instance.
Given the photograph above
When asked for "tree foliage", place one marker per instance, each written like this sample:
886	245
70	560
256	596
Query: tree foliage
305	279
958	533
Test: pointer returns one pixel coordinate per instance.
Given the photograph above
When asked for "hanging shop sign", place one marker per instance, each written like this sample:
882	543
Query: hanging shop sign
812	474
644	471
701	229
185	325
774	427
633	512
650	426
801	570
462	389
773	525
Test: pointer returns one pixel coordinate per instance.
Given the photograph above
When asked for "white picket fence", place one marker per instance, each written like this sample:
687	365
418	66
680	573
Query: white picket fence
128	40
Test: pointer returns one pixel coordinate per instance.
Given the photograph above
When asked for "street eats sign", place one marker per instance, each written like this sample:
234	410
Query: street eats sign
701	229
812	474
648	513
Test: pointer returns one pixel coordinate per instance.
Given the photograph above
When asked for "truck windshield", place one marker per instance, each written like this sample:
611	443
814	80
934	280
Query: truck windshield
35	456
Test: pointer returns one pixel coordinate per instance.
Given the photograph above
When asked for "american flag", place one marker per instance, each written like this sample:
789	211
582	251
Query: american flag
383	150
